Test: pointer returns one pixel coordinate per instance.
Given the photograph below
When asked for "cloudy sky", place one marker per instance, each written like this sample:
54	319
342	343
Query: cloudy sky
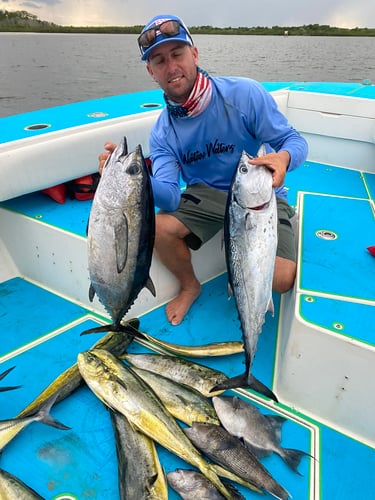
221	13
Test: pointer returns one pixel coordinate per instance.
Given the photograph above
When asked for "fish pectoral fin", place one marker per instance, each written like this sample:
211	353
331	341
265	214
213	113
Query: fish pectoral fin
91	293
270	307
236	403
248	223
276	421
121	242
150	286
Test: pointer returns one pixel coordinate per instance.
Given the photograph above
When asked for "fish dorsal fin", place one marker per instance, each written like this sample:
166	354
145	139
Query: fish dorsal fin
150	286
121	242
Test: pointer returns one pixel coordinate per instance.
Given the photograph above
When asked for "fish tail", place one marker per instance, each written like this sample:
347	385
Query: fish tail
279	492
293	458
43	414
127	327
245	381
4	374
8	387
100	329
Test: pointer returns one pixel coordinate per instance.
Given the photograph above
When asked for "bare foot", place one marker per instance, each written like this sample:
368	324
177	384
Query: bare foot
180	305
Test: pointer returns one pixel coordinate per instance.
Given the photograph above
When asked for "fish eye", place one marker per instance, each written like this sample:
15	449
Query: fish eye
244	169
133	169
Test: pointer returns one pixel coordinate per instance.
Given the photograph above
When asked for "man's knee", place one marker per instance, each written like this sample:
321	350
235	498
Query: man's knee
168	226
284	275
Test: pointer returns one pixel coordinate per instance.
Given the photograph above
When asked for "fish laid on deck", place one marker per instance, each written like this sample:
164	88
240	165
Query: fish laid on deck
121	233
12	488
10	428
181	370
250	233
194	351
192	485
141	475
185	403
229	452
122	390
70	379
261	433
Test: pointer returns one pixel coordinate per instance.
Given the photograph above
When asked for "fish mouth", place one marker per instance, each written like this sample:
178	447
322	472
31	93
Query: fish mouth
257	208
260	207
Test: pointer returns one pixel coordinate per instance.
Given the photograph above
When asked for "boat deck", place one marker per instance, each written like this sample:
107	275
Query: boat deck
41	337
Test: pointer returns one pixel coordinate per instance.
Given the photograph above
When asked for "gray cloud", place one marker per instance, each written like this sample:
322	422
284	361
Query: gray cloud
219	13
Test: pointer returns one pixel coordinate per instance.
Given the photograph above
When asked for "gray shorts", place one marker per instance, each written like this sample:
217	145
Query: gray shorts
202	211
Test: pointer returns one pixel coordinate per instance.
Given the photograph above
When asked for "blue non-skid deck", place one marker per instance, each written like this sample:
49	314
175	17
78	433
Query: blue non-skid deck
40	334
81	463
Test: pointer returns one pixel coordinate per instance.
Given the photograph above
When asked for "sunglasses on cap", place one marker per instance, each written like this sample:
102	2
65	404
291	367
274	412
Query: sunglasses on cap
168	29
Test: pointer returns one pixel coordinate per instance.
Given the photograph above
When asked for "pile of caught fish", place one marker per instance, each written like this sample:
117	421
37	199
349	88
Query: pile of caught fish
164	399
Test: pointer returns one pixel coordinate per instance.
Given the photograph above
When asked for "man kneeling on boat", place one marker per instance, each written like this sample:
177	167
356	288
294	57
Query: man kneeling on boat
200	135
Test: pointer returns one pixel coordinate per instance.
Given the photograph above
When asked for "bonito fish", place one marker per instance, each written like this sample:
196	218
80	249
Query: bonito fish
12	488
261	433
121	234
250	233
141	475
122	390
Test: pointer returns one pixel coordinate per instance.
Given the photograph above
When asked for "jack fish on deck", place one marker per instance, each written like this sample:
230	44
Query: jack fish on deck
260	433
250	232
121	234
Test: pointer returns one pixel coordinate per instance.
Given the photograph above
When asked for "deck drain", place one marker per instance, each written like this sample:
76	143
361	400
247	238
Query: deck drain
326	234
38	126
309	299
338	326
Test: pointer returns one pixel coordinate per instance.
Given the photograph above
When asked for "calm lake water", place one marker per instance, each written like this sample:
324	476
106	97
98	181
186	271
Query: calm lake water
44	70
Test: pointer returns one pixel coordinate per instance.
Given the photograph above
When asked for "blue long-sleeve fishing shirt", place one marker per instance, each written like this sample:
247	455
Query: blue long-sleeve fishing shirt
206	148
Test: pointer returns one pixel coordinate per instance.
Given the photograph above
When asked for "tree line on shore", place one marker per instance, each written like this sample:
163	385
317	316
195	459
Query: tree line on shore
23	21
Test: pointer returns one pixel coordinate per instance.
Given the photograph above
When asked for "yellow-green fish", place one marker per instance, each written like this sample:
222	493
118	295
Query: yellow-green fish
122	390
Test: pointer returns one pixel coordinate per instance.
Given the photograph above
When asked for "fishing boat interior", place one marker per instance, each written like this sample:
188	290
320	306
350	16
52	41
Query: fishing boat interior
316	353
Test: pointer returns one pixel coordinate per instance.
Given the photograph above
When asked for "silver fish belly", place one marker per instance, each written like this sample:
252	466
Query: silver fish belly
121	233
250	233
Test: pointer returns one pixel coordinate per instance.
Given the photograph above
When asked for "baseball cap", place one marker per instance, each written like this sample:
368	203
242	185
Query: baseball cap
161	29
